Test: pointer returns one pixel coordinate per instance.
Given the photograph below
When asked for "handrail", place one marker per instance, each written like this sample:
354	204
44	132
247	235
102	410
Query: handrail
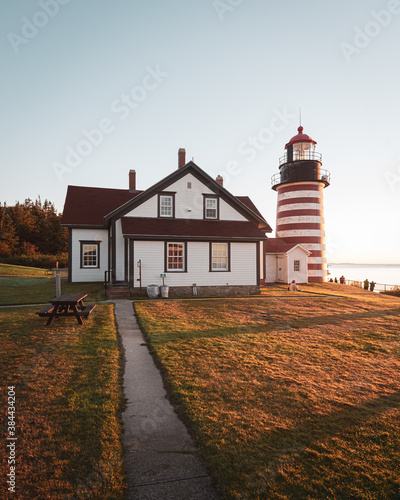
106	281
379	287
301	155
324	176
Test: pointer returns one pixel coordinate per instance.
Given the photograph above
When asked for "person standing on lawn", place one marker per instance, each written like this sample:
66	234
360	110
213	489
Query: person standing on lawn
366	284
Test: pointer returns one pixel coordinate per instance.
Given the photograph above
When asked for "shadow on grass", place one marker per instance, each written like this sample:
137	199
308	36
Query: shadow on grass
318	445
266	324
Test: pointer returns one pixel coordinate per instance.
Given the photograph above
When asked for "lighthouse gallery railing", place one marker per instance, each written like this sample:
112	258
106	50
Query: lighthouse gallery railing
321	176
301	155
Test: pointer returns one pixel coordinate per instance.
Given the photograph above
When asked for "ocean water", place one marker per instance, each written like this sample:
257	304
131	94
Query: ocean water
388	274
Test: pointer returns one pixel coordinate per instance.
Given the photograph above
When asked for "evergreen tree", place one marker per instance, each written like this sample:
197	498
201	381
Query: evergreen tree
32	227
8	237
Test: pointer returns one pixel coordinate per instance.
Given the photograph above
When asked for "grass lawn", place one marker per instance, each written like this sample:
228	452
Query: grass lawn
10	270
20	290
68	405
288	395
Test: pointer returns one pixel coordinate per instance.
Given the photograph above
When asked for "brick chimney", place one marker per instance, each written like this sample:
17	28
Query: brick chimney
181	157
220	180
132	180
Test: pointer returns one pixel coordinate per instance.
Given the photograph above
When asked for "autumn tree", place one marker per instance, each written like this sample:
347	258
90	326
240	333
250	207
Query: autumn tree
8	237
31	227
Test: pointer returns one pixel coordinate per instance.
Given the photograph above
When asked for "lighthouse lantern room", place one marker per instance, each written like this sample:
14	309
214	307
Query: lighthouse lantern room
300	212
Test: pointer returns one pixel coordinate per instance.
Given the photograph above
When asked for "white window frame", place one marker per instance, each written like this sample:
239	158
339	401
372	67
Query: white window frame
90	246
214	201
296	266
219	261
168	209
182	258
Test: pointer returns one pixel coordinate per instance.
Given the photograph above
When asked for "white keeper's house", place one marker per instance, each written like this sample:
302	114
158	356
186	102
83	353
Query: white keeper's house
187	227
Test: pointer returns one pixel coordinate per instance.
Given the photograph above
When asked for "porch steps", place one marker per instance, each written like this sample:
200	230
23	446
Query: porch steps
117	291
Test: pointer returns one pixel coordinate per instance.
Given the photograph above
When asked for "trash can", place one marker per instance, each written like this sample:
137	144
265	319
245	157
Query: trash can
164	291
153	291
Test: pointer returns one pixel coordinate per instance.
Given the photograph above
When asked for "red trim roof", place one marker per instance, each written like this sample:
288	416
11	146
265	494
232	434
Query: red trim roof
197	228
87	206
249	204
278	245
300	137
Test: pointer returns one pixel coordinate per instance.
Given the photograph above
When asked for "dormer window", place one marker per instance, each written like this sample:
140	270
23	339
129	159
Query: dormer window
211	207
166	205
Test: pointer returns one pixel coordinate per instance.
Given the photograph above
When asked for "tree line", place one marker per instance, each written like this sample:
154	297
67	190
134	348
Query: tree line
31	228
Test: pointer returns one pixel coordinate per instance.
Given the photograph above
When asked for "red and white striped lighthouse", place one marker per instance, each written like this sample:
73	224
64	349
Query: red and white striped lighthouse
300	213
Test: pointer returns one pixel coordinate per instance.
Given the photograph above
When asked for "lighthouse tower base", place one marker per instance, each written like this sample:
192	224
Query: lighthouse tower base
300	220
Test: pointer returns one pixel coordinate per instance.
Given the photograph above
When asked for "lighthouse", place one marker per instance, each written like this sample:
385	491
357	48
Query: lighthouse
300	212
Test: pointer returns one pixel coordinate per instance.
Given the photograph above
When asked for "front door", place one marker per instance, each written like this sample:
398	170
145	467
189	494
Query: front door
281	270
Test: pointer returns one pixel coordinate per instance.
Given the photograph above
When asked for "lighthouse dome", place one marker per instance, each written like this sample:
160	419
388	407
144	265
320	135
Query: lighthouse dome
300	137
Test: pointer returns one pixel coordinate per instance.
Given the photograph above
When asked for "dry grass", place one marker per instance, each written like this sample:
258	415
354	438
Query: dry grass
288	395
68	404
33	272
22	290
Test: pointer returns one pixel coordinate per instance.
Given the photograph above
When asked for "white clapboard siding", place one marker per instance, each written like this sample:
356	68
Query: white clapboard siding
189	202
151	253
119	252
300	276
146	209
227	212
262	260
243	265
96	274
270	268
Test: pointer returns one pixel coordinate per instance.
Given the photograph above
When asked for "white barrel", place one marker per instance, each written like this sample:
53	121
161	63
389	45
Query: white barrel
153	291
164	291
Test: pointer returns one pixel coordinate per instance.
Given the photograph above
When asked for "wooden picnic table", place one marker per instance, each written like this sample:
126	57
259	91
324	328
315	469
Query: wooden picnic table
69	304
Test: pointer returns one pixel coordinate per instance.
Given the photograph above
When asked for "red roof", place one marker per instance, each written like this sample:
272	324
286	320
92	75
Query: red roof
278	245
88	206
300	137
198	228
249	204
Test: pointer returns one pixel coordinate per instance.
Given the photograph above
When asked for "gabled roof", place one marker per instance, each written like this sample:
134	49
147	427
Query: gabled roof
87	206
96	207
190	228
278	245
249	204
197	172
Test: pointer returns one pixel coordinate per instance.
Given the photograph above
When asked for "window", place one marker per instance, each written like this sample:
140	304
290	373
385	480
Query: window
166	205
211	207
175	257
219	257
189	185
90	254
296	265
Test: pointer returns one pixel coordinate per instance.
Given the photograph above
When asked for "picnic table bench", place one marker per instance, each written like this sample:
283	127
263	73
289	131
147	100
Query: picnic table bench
69	304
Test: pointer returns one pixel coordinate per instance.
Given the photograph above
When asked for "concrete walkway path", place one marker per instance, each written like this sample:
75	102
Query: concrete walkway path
160	461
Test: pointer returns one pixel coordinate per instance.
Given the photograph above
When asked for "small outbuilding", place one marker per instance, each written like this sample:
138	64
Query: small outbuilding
285	262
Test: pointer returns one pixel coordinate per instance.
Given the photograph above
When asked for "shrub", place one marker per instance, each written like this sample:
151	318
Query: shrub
39	260
394	291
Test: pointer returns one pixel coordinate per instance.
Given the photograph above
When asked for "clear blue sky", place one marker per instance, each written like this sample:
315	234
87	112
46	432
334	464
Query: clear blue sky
208	76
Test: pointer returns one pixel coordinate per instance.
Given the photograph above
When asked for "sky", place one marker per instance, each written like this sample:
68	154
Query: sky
91	89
